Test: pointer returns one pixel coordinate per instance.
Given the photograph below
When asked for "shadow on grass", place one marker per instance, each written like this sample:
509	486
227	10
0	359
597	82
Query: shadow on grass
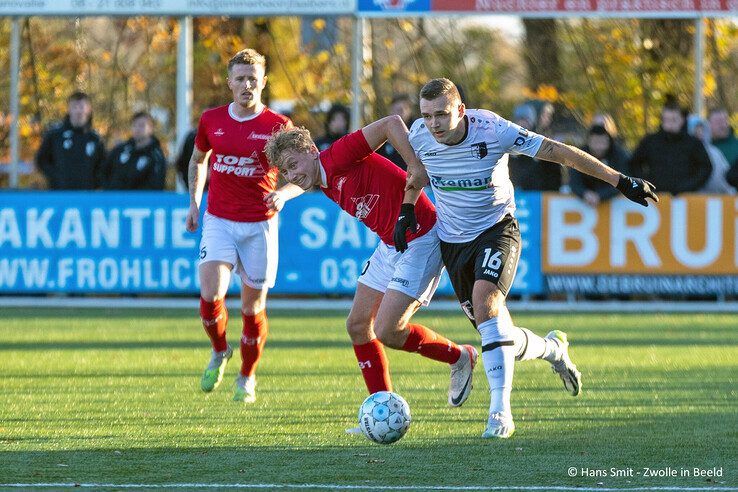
453	461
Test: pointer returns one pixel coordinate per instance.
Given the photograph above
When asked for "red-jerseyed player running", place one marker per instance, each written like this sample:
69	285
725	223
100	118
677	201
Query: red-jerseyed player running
240	225
394	284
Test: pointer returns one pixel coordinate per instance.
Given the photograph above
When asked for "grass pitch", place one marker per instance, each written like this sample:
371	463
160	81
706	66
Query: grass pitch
112	396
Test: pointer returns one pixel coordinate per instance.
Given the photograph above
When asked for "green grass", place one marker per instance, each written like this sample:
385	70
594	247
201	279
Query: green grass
113	396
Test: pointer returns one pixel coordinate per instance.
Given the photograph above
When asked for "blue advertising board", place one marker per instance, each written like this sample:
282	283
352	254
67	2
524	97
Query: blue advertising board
136	242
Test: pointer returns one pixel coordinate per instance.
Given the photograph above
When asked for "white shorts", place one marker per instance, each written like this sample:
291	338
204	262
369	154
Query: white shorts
416	272
251	247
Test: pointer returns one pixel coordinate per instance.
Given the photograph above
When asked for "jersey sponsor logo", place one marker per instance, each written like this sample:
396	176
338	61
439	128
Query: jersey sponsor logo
219	132
364	205
431	154
238	165
522	137
461	184
259	136
479	150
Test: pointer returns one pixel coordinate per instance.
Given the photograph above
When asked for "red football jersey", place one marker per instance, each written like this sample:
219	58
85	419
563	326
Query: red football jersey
240	176
370	187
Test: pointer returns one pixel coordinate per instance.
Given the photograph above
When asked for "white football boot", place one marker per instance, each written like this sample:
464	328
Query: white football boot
499	426
563	366
461	376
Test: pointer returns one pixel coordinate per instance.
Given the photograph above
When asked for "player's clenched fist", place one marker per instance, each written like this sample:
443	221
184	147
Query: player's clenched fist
193	218
637	190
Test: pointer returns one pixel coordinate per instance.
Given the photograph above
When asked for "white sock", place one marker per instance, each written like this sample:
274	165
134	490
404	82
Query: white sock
498	358
528	345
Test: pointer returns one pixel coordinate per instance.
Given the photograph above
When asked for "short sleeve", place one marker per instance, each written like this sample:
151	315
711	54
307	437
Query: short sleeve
346	152
516	139
201	138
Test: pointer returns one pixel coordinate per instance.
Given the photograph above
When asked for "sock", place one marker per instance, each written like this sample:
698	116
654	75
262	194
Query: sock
498	358
253	338
430	344
528	345
374	366
214	316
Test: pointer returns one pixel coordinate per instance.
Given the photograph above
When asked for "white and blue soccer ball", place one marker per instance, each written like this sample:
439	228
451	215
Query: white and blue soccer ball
384	417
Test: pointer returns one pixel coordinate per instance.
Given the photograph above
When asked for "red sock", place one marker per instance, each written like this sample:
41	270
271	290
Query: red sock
214	317
255	329
374	366
430	344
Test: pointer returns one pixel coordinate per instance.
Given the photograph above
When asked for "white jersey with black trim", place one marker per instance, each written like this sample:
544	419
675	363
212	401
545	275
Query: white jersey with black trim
470	180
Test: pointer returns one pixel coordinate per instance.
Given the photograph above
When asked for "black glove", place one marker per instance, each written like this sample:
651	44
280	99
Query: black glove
405	222
637	190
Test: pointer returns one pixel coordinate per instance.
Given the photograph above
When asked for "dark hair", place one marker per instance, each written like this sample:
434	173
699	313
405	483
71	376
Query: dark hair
401	98
337	108
78	96
439	87
671	103
717	109
598	130
142	114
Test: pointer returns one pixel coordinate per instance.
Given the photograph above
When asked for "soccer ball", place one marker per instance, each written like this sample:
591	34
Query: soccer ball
384	417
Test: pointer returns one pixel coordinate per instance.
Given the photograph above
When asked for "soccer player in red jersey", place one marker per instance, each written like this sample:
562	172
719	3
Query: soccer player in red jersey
240	225
393	285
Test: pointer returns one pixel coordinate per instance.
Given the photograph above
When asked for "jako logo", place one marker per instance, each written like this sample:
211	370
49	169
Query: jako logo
393	4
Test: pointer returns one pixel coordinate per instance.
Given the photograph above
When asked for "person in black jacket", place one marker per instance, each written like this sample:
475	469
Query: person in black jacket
528	173
402	106
337	122
602	144
72	154
182	164
138	163
671	159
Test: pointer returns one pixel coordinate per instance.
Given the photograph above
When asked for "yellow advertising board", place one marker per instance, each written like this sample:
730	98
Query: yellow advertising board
683	235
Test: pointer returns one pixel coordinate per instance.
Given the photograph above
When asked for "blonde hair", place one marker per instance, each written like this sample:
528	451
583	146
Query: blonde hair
285	139
439	87
247	56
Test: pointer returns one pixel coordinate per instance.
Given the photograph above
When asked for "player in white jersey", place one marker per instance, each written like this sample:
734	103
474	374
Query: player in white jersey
464	153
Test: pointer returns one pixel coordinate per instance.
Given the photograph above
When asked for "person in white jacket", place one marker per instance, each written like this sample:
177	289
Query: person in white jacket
716	183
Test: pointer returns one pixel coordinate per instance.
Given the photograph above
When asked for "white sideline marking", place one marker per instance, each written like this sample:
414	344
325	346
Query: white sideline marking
193	303
345	487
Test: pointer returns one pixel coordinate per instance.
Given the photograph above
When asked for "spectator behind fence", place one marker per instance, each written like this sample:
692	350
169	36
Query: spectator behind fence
182	163
528	173
402	105
723	136
336	126
138	163
602	144
699	128
72	154
674	161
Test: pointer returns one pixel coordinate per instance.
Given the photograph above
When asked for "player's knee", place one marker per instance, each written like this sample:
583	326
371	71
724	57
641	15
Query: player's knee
488	304
358	329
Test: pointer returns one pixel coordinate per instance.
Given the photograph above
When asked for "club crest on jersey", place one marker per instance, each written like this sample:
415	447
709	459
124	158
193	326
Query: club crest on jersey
393	4
219	132
364	205
479	150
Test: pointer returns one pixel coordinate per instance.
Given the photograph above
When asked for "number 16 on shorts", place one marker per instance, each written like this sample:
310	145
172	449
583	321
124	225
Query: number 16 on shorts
492	262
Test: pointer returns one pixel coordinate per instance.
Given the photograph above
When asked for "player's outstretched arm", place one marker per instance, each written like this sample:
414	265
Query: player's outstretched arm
276	199
635	189
196	174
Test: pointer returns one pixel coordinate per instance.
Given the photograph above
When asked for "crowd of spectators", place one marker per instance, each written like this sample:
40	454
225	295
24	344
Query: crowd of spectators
686	154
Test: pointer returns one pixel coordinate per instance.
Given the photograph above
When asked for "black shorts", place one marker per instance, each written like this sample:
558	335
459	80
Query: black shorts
492	256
